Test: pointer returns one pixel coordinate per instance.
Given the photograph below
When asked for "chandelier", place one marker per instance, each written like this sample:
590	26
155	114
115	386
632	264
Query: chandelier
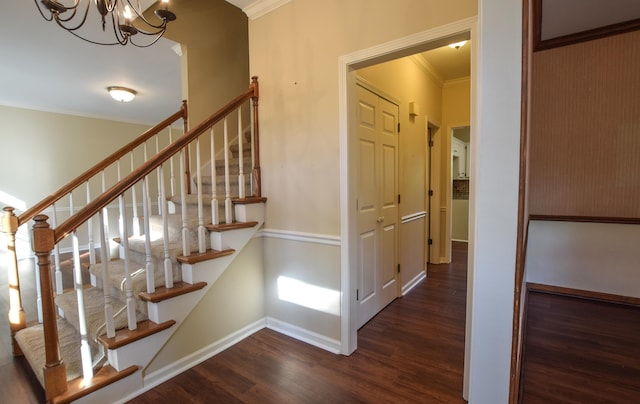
126	20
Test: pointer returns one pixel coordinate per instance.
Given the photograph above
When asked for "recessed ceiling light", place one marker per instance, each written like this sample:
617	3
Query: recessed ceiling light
457	45
122	94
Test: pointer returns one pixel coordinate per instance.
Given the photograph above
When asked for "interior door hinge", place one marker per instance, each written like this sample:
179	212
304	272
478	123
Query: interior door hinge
398	198
431	192
398	268
398	127
430	241
430	143
357	294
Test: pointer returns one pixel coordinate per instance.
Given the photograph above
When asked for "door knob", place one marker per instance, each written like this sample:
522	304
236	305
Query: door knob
380	219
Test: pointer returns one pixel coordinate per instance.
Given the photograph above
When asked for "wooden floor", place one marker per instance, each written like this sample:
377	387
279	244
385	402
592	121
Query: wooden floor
411	352
580	351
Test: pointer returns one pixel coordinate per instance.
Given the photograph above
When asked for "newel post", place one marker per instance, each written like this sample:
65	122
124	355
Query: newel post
256	137
55	374
16	314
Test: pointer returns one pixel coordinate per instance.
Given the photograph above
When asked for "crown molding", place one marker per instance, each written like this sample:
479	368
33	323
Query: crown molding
259	8
462	81
423	64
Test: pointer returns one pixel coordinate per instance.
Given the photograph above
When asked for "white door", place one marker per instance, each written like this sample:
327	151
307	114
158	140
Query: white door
377	203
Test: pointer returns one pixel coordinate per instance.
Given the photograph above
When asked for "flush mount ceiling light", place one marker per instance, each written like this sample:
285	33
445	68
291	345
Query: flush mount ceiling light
125	20
457	45
121	94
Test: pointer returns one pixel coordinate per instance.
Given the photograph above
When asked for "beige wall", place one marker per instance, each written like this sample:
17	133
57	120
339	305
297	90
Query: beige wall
407	80
43	151
295	51
214	39
234	301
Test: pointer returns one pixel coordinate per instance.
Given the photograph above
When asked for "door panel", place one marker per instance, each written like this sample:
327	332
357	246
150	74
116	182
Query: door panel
377	203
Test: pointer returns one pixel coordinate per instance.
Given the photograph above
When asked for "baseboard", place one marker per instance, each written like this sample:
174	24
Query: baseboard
304	335
162	375
583	294
459	240
414	282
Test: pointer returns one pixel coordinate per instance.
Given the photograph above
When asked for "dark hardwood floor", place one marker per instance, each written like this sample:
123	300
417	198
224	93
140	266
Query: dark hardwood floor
411	352
580	351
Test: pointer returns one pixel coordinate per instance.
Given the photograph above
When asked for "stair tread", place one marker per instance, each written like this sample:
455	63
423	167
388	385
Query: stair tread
80	387
126	336
205	256
163	293
230	226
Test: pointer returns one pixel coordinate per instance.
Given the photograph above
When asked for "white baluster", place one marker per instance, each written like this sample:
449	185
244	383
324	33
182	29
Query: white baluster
201	231
241	191
105	218
168	268
158	178
136	218
172	178
56	254
124	237
227	185
186	243
214	183
151	284
85	349
148	199
106	285
92	244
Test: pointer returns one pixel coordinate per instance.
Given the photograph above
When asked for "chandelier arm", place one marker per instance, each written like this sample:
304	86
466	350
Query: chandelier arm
158	36
140	15
94	42
124	33
121	37
62	21
42	14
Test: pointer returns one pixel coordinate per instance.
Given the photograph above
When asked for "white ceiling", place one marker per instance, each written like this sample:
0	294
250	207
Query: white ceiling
45	68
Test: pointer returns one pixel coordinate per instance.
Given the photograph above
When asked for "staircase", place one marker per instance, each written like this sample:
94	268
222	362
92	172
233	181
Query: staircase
94	341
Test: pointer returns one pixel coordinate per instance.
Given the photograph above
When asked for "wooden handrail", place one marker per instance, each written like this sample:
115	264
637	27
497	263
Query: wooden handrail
154	162
66	189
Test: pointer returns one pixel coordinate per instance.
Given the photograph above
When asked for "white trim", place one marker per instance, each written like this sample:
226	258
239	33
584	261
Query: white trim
459	240
300	236
262	7
304	335
462	81
414	282
346	63
162	375
413	216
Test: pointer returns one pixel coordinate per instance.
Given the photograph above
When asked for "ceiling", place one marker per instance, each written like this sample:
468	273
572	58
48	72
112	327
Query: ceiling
46	68
449	63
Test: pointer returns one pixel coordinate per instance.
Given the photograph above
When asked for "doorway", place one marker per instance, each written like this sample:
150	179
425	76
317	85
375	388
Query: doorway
348	183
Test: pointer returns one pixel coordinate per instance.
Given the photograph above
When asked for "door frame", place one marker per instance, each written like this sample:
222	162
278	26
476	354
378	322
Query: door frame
347	65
